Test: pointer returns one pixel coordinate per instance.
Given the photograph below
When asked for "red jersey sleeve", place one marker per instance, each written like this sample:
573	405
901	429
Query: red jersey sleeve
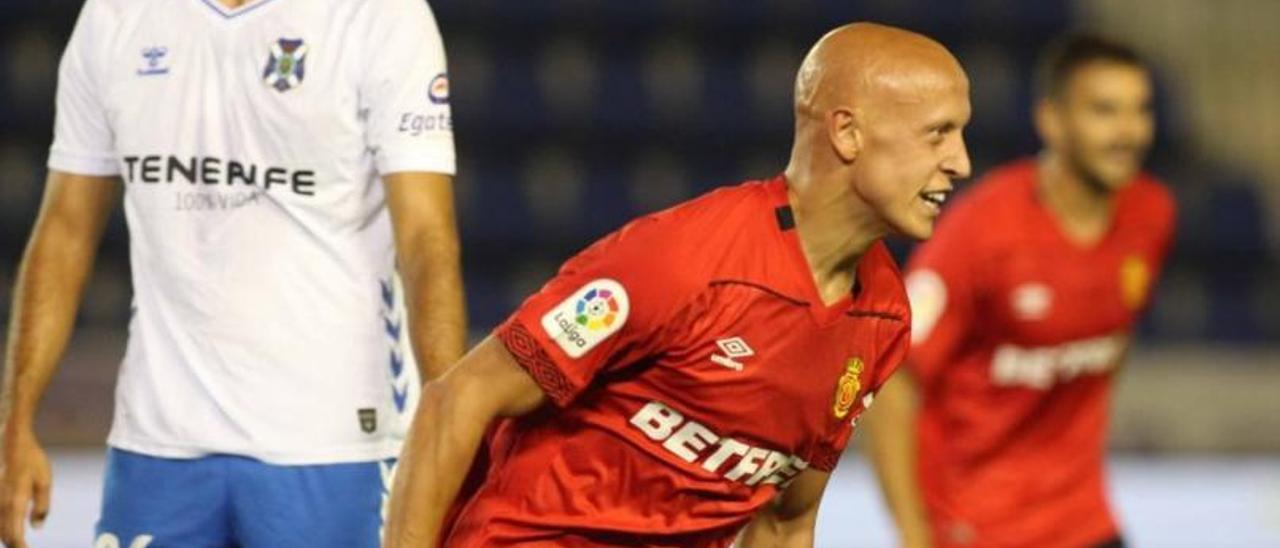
607	308
942	288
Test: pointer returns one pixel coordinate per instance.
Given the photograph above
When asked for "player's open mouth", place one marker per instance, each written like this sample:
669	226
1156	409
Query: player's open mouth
935	197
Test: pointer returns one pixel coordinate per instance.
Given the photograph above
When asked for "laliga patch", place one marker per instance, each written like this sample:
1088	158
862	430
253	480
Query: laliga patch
927	294
589	316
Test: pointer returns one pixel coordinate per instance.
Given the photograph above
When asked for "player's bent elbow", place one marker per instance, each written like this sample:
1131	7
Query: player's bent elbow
464	392
456	398
493	377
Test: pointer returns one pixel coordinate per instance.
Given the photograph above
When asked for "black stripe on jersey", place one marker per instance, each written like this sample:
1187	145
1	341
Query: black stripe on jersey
786	219
856	313
761	287
874	314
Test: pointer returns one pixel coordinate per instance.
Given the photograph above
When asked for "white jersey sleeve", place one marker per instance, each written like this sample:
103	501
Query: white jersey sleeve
405	91
82	139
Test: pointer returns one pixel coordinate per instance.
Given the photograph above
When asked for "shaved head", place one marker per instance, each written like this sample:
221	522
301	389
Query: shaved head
865	62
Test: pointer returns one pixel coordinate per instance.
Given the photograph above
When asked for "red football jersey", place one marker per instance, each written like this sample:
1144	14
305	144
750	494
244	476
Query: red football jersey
693	372
1017	330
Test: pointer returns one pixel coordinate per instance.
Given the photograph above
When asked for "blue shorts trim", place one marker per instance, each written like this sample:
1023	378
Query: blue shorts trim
230	501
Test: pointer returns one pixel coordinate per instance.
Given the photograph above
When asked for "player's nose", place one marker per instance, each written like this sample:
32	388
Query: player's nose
956	162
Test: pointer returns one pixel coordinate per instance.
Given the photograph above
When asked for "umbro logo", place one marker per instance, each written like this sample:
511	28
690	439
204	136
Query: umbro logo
733	349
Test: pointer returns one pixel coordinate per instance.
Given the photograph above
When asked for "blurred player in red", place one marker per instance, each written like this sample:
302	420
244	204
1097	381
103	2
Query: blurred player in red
1023	305
703	365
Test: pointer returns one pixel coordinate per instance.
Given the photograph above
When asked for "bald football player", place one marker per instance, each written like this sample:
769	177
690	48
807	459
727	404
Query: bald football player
695	376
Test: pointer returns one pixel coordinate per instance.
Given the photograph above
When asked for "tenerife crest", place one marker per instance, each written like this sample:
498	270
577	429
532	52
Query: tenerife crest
287	64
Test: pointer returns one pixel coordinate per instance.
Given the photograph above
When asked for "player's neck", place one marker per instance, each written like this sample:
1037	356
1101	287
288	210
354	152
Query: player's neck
1082	210
233	4
832	234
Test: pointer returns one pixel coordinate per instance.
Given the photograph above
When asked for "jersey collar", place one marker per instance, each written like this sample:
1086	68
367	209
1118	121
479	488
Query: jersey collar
230	13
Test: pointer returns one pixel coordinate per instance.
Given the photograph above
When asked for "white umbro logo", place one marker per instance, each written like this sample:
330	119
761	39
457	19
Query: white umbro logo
1031	301
734	348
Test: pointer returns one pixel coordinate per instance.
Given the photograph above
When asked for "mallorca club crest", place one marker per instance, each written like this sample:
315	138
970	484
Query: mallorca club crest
847	388
1135	281
286	66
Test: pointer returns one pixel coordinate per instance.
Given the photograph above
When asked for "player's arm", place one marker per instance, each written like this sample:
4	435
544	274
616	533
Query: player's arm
889	433
941	285
451	419
789	520
57	262
527	363
427	254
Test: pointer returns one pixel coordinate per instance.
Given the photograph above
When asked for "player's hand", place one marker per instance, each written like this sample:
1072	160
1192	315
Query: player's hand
25	479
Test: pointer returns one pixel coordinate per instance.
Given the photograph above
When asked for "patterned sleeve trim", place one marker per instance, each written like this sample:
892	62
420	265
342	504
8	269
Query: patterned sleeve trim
529	354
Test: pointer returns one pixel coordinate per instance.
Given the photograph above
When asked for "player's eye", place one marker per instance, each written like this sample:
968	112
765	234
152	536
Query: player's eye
938	131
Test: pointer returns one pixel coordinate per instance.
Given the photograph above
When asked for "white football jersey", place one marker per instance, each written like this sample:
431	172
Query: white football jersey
266	317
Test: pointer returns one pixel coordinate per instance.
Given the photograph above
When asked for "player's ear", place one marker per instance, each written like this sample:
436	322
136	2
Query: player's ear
845	133
1048	120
